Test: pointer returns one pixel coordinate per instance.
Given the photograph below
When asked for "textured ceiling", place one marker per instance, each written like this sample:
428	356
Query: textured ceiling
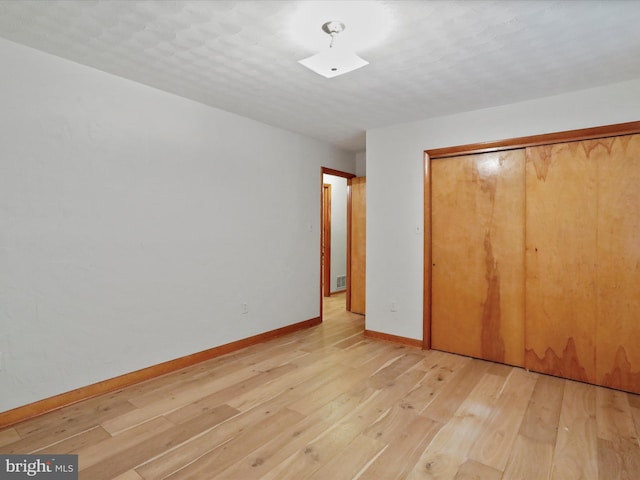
440	57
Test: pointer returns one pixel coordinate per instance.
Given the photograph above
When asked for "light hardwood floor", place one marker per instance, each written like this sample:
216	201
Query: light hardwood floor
328	403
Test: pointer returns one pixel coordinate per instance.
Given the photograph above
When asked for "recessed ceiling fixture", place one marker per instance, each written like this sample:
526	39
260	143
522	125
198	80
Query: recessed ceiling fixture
335	60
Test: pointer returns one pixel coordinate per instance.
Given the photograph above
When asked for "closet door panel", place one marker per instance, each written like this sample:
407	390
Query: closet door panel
618	334
561	220
478	255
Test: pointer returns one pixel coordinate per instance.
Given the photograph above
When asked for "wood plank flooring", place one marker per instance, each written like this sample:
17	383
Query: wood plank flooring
328	403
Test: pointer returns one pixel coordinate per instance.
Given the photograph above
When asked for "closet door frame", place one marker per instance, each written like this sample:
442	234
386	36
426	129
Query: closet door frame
629	128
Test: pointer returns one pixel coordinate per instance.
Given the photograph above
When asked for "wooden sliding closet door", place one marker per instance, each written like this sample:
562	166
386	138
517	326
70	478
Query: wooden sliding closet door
535	253
618	332
478	255
561	293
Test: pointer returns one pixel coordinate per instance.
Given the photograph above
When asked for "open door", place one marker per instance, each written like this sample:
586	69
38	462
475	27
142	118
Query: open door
356	245
326	239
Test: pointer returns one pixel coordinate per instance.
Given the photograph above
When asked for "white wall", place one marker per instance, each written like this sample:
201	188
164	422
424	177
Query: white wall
338	228
134	224
395	184
361	163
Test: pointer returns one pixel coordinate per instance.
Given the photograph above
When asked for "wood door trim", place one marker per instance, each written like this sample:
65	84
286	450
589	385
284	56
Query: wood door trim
426	297
616	130
337	173
348	176
349	241
619	129
326	235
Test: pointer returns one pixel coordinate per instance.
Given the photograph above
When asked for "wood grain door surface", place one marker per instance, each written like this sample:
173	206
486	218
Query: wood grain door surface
478	255
618	266
358	244
561	220
326	240
536	258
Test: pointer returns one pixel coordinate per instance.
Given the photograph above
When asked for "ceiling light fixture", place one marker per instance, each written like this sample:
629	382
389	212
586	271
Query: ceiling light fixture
335	60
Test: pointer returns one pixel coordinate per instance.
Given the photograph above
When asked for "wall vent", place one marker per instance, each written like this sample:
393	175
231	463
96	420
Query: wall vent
341	281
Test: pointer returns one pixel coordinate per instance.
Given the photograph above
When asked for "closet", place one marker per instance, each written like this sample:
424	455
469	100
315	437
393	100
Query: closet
535	253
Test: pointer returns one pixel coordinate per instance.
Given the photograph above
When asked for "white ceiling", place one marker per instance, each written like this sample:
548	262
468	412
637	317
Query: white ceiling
441	57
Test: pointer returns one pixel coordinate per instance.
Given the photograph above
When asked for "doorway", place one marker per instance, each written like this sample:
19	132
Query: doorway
334	245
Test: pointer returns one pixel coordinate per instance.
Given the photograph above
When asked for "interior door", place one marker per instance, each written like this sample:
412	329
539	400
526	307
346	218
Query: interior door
581	235
356	278
618	265
326	239
477	205
561	221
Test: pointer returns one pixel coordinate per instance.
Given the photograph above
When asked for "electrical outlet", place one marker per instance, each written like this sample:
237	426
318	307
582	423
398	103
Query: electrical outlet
394	306
245	308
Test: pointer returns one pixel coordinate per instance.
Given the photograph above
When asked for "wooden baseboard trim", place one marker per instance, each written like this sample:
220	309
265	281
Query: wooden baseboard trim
25	412
344	290
387	337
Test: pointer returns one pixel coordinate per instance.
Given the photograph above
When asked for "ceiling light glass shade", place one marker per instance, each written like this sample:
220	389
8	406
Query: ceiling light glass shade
333	62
